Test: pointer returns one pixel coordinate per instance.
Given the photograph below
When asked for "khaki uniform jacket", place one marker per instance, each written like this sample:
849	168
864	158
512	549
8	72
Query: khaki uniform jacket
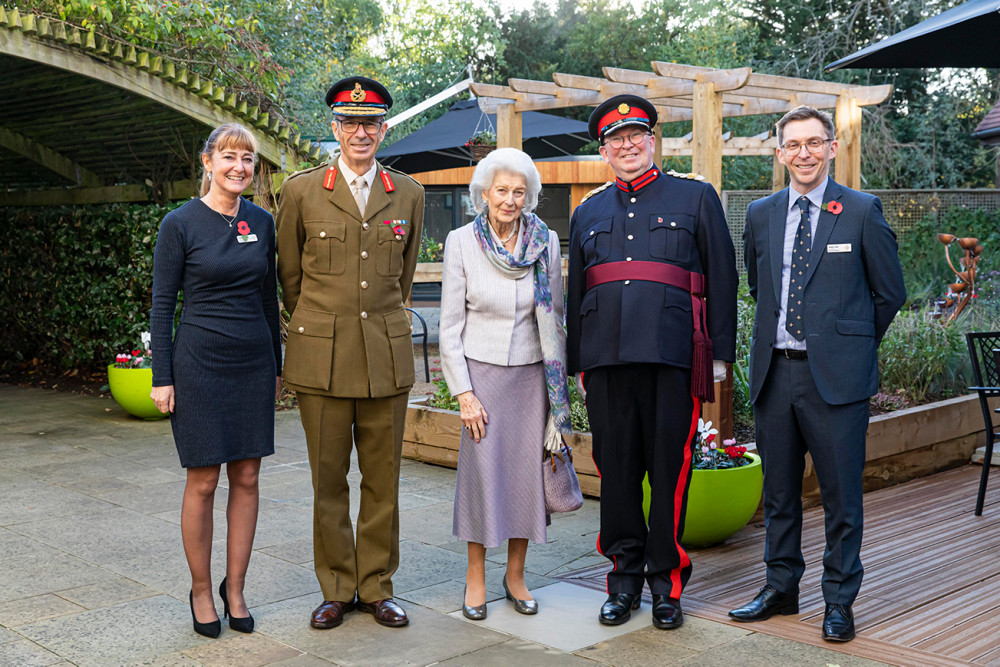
344	278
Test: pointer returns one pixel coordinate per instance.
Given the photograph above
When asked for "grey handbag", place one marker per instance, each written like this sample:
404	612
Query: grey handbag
561	486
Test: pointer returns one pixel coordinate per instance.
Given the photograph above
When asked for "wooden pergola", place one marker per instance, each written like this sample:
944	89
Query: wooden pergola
702	95
87	119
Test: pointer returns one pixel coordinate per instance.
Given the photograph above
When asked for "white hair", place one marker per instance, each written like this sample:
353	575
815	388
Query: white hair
508	160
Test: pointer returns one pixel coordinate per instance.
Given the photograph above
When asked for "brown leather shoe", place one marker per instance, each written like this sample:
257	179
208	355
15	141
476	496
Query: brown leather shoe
386	612
330	614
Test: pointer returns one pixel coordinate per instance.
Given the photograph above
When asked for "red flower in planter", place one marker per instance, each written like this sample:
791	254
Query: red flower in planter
243	228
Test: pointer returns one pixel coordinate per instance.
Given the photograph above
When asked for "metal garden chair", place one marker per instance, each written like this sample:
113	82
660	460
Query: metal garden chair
984	349
423	334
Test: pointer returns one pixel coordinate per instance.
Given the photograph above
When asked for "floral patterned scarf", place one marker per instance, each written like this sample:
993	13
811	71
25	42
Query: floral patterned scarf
534	253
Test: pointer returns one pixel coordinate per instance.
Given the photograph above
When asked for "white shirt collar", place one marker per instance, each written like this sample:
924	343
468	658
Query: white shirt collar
349	174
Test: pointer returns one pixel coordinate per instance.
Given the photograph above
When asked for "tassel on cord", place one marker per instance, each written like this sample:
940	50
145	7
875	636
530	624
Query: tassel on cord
702	379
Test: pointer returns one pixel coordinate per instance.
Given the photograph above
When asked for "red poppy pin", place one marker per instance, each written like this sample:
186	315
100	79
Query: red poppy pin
243	233
397	226
834	207
243	228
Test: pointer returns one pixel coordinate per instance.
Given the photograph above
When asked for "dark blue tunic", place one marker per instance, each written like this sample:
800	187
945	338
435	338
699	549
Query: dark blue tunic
226	354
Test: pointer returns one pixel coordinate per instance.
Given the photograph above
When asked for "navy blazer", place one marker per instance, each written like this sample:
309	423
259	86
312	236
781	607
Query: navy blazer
671	220
851	296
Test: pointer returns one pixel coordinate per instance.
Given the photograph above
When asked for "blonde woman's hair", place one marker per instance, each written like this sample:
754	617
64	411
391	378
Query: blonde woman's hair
231	136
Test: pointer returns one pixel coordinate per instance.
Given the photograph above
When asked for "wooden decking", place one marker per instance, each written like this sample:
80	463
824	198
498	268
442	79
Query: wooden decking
931	591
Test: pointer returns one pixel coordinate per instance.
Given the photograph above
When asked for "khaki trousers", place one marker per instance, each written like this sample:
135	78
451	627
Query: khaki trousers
333	426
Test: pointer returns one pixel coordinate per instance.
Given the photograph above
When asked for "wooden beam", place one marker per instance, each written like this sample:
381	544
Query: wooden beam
724	79
777	174
137	82
658	144
847	164
706	133
100	195
508	127
48	158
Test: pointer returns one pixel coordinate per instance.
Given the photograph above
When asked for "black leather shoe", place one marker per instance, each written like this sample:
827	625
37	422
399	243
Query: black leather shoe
769	601
618	608
838	623
667	613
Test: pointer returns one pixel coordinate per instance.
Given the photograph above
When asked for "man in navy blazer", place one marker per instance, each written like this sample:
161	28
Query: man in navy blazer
823	268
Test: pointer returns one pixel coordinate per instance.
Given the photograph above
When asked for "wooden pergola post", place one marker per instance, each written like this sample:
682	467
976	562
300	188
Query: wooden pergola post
847	164
658	146
508	127
777	174
706	133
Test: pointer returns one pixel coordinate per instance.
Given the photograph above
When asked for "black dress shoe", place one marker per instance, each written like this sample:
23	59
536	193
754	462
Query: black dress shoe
210	629
667	613
243	624
618	608
838	623
769	601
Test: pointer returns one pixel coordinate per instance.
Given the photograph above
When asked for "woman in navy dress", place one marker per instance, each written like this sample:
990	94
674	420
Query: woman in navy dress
219	373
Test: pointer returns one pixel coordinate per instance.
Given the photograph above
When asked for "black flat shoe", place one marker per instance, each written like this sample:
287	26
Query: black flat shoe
769	601
838	623
212	629
667	613
618	608
244	624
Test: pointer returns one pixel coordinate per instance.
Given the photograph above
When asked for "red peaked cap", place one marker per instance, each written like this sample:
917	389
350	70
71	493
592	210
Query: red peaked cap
358	96
619	111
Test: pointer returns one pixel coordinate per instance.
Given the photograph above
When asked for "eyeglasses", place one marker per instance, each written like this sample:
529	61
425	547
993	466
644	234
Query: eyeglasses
618	140
813	145
351	126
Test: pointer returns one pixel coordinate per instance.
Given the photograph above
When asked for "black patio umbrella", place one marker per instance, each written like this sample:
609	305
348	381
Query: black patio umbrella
441	143
963	36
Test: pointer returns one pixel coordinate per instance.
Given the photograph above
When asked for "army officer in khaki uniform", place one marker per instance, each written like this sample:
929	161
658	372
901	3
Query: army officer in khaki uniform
348	238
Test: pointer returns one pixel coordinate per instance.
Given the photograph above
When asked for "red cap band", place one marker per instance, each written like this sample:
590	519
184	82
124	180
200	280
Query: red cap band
370	97
623	112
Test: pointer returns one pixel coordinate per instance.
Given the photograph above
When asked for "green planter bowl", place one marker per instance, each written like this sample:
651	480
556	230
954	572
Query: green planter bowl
720	502
131	387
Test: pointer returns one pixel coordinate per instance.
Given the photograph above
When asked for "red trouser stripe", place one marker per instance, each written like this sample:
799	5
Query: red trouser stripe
685	560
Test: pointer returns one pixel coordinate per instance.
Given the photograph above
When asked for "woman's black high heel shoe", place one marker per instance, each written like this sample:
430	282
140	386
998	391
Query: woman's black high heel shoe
244	624
212	629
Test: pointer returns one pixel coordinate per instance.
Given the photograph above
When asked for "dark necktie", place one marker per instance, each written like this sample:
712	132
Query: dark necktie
800	262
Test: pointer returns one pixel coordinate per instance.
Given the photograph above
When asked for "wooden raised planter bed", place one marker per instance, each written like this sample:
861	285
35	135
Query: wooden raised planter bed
902	445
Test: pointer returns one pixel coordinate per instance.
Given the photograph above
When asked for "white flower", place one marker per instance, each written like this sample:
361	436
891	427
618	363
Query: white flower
146	339
705	429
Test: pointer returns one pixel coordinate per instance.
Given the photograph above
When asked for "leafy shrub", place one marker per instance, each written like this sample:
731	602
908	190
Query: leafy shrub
77	281
921	357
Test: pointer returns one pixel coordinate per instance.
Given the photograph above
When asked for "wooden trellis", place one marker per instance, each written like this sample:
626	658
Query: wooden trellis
702	95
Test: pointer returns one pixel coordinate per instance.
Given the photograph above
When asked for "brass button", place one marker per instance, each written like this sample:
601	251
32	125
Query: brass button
398	237
364	254
364	284
411	327
301	329
673	224
631	215
628	259
322	235
629	237
364	315
364	225
627	282
632	200
591	232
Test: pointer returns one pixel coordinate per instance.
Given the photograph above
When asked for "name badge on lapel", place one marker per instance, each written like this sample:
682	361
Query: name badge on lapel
838	247
243	233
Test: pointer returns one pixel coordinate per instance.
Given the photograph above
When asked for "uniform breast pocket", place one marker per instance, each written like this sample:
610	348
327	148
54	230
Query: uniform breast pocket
596	242
324	251
389	255
671	236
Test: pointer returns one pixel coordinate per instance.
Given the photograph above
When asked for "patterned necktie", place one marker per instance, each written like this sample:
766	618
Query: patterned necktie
800	262
358	189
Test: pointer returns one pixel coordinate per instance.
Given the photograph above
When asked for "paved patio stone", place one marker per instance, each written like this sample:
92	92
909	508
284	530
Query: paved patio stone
251	650
566	618
303	660
107	593
24	653
422	565
37	608
128	632
176	659
294	551
650	645
46	571
517	652
8	636
25	499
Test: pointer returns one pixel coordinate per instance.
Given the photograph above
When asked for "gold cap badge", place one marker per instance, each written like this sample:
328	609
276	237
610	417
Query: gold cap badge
624	108
357	95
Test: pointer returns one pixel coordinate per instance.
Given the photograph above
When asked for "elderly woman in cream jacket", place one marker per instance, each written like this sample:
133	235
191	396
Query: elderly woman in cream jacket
503	350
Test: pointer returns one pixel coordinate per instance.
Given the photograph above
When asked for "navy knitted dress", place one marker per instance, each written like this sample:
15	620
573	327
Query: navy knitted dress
226	353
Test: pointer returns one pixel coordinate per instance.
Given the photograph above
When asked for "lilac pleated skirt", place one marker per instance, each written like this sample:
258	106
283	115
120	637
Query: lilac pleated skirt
498	494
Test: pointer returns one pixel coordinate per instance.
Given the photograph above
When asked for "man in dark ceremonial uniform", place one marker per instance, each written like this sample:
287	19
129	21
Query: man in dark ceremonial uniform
348	239
651	304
